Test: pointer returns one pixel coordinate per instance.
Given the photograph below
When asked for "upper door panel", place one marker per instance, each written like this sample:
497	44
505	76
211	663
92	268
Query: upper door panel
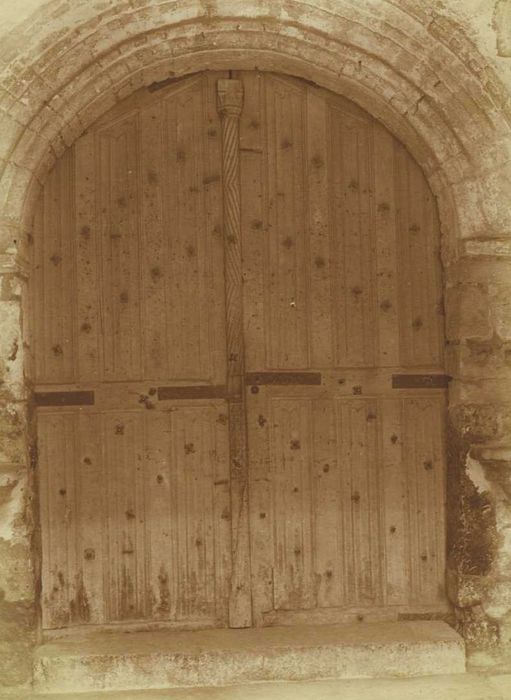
128	251
340	236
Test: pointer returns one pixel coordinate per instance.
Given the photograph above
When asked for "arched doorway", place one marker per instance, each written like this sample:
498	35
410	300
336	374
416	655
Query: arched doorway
256	274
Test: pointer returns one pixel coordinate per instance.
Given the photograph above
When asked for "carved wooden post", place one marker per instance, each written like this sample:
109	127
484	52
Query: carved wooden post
230	102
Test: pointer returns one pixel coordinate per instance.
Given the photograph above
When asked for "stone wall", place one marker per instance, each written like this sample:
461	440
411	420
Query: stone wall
17	532
479	345
437	73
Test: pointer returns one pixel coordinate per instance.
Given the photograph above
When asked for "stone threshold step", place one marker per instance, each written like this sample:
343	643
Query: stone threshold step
122	660
463	686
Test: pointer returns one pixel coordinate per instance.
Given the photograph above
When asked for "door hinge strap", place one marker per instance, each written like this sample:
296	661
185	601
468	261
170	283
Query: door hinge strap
420	381
192	392
283	378
64	398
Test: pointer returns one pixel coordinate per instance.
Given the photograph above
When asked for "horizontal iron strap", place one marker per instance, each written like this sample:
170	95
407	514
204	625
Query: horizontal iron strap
420	381
64	398
283	378
192	392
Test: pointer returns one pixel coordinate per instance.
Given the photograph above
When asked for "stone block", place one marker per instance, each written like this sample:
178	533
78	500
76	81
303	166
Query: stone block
497	191
478	422
502	27
500	309
481	358
465	591
478	631
468	686
17	636
467	311
497	601
12	432
14	183
468	197
112	661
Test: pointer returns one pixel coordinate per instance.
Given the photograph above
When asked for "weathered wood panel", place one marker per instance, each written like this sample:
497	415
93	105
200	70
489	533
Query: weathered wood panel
53	273
84	294
128	250
128	293
418	253
333	297
136	515
347	503
341	237
286	278
342	278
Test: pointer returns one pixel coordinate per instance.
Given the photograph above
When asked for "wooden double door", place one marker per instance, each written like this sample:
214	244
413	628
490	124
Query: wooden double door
237	348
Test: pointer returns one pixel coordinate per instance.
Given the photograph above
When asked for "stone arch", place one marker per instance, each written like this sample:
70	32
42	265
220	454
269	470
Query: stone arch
411	67
413	70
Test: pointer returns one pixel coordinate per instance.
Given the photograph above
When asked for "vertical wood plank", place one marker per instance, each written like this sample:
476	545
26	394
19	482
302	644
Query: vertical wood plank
293	583
57	268
188	246
318	256
221	515
255	227
422	309
412	505
154	247
198	468
364	505
355	289
338	258
262	505
118	186
66	266
179	509
90	596
365	157
279	418
57	574
404	261
123	460
37	292
194	542
385	232
431	233
347	456
302	499
329	533
425	280
438	493
74	572
161	540
88	312
43	438
288	309
395	496
428	506
213	317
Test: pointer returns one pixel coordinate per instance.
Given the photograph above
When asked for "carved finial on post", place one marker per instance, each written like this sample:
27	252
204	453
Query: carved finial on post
230	97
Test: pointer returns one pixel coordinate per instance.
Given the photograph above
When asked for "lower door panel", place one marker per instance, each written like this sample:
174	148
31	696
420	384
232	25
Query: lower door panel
135	515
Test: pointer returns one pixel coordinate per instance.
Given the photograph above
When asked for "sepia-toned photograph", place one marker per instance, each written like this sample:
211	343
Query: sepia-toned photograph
255	349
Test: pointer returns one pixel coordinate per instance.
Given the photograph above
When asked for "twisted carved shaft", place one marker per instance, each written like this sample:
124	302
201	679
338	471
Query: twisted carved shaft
230	102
